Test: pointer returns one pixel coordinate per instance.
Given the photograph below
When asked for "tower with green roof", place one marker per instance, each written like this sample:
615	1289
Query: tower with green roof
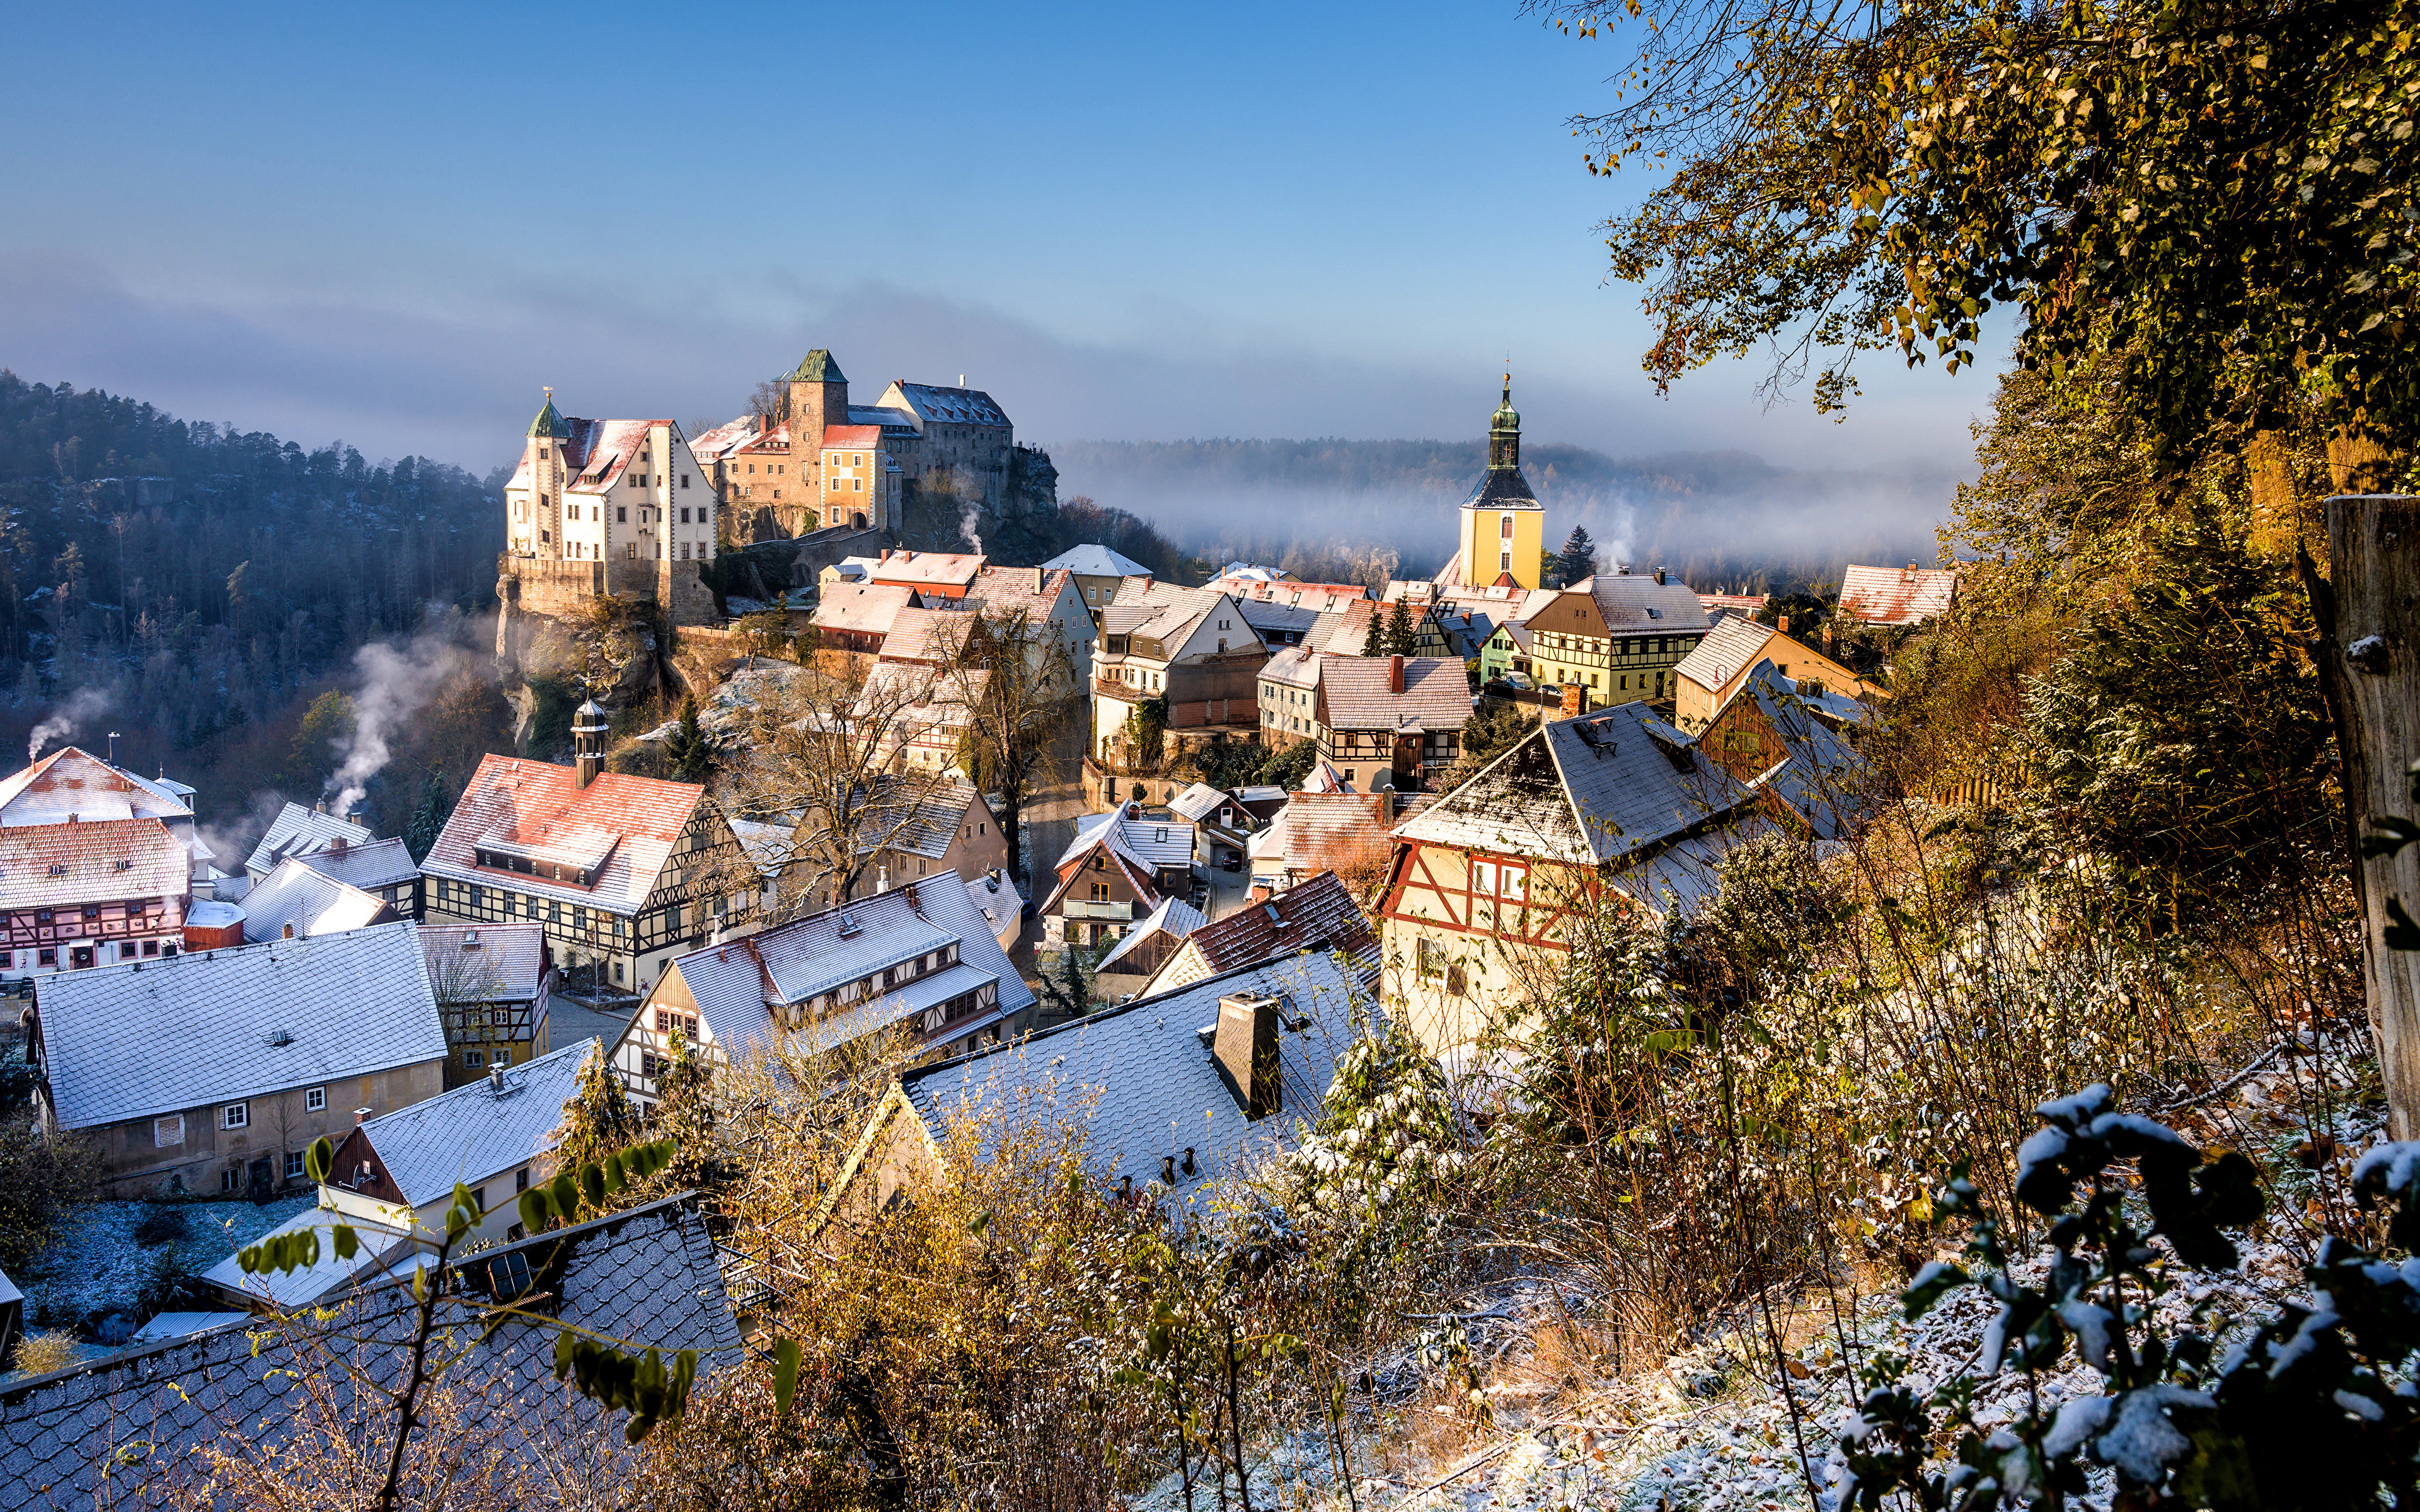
1503	525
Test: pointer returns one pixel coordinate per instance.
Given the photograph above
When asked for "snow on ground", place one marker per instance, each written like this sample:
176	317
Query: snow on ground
94	1268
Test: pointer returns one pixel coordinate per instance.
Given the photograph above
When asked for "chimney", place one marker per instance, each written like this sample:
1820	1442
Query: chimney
1659	577
321	805
1784	625
1394	674
588	731
289	930
1038	575
71	816
337	845
1246	1048
496	1081
361	1116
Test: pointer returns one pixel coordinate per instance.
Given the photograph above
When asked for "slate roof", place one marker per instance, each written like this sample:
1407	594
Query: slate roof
1897	595
1733	644
1096	561
1174	919
795	962
1824	781
294	893
1137	1082
1590	790
1200	801
651	1274
469	1134
624	826
1354	694
152	1036
1279	623
1317	913
953	407
1150	843
1636	604
507	964
381	863
994	895
298	830
73	782
1159	611
866	608
920	818
60	866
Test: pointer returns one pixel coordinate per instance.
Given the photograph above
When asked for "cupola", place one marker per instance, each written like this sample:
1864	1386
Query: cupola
1504	433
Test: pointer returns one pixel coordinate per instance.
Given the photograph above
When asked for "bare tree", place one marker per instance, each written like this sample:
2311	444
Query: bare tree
1015	679
824	761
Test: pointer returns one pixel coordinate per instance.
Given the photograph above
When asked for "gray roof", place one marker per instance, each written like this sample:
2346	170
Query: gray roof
1281	620
936	403
295	892
916	816
797	962
650	1275
152	1036
1596	789
1139	1081
1635	604
1150	844
297	830
469	1134
1096	561
1174	918
1200	800
1831	788
1733	644
484	962
381	863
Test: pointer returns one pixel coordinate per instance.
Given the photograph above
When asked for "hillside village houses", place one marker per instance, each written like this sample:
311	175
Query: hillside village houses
1097	571
625	872
72	784
298	830
1188	649
1120	866
491	983
1710	673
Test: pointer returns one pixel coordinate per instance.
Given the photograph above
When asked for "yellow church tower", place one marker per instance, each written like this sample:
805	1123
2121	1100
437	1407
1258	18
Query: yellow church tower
1503	525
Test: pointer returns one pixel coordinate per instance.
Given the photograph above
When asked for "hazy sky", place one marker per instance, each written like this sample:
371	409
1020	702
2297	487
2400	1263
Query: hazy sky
390	225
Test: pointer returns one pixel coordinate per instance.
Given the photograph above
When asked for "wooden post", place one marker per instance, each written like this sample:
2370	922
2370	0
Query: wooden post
2368	616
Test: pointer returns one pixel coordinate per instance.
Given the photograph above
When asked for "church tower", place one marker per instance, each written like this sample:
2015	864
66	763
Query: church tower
1503	525
534	529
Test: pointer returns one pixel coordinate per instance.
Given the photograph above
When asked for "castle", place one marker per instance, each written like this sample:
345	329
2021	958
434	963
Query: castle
634	509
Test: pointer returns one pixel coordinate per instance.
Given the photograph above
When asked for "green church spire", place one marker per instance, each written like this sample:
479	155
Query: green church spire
1504	434
818	367
549	425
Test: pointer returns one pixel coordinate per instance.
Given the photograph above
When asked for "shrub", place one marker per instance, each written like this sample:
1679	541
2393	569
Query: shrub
37	1353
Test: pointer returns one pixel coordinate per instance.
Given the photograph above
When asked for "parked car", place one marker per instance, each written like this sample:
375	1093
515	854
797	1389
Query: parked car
1520	681
1232	863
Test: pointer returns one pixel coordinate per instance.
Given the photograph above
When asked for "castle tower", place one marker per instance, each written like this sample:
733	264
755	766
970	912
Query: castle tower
539	531
818	400
1503	525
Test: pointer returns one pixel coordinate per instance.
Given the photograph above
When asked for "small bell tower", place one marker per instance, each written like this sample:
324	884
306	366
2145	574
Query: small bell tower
547	434
589	727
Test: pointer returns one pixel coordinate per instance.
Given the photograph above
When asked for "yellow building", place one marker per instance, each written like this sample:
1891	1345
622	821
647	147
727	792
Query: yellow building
1503	525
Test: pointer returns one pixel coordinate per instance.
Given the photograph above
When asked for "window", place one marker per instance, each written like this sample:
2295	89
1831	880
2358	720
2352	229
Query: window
1504	528
502	1058
521	1180
294	1166
316	1099
1432	958
684	517
1100	892
231	1178
684	480
474	1058
479	1199
1482	878
621	514
235	1115
150	946
126	952
1516	883
168	1131
1504	559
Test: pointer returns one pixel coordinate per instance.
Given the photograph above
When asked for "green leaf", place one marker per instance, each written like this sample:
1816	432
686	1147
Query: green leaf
348	1242
785	1376
317	1160
537	1211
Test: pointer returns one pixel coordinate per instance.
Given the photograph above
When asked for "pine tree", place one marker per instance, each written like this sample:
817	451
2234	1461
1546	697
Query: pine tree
685	1114
428	815
685	748
1400	641
598	1121
1373	644
1578	559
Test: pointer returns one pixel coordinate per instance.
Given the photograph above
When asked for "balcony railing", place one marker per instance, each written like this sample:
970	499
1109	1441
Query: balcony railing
1090	908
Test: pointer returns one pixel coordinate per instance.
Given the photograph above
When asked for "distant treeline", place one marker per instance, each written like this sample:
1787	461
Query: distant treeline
198	577
1351	509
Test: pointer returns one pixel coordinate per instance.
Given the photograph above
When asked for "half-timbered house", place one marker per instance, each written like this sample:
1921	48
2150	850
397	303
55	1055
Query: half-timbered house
625	872
1119	867
1485	882
79	894
921	958
491	982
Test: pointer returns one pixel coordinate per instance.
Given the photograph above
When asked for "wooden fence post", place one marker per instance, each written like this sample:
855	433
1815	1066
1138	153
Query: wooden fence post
2367	610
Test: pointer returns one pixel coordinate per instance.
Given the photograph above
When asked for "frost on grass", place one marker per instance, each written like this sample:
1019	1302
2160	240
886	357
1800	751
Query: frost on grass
96	1269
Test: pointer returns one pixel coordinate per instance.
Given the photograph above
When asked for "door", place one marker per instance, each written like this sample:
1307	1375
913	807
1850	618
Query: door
79	956
259	1184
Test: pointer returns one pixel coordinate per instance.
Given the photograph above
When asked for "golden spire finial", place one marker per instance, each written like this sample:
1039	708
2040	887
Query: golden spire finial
550	388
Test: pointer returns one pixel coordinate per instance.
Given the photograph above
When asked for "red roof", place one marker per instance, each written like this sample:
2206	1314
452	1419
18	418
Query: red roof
54	866
866	435
1318	909
621	827
1897	595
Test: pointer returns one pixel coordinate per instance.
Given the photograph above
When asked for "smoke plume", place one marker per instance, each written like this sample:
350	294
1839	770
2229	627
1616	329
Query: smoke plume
395	682
83	704
966	517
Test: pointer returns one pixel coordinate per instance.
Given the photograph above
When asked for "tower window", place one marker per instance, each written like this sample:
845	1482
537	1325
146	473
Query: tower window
621	514
1505	529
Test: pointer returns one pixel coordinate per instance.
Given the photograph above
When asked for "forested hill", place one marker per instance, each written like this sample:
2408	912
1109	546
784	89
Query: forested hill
198	577
1713	515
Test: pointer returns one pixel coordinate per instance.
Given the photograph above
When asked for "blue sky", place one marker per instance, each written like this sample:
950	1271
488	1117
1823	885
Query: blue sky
390	225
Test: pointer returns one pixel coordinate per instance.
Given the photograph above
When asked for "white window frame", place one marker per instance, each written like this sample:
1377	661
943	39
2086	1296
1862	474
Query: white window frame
236	1115
316	1099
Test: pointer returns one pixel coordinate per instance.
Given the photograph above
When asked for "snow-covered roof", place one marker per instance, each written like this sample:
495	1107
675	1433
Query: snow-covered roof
1734	642
295	896
381	863
152	1036
1897	595
60	866
497	962
1174	919
73	781
298	831
619	831
1356	693
1096	561
861	608
475	1132
954	406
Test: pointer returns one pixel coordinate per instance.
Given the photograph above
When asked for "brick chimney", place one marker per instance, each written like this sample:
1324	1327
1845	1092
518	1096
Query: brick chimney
1659	577
1246	1048
1394	674
338	845
289	930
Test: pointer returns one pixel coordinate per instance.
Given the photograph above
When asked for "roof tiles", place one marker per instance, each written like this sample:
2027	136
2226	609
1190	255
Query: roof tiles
630	823
61	866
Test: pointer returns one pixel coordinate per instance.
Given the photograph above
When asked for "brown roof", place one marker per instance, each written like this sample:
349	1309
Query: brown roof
1325	831
868	436
1318	909
1355	693
926	569
57	866
933	636
620	829
1002	589
1897	595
